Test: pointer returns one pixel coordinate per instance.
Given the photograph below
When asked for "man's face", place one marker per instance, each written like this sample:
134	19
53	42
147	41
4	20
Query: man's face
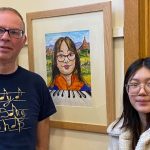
10	46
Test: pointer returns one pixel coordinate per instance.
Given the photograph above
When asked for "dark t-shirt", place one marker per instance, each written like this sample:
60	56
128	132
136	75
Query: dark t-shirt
24	100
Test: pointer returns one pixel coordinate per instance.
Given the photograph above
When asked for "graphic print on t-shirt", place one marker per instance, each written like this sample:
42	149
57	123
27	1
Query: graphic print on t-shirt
12	117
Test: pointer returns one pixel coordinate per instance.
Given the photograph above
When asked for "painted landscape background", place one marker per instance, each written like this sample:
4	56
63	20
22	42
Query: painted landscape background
81	40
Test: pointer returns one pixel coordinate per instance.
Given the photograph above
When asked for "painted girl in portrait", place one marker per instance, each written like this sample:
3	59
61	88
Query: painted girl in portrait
66	68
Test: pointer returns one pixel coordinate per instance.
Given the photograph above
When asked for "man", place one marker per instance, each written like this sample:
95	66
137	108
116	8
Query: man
25	103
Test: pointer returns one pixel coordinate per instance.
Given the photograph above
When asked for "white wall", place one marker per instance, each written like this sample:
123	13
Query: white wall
67	139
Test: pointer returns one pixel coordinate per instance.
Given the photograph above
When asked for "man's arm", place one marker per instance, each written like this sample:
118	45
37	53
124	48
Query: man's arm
43	131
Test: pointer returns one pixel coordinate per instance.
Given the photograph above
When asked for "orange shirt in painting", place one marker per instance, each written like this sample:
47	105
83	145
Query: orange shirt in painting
61	83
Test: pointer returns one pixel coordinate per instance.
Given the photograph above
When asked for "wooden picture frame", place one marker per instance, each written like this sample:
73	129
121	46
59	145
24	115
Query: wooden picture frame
83	119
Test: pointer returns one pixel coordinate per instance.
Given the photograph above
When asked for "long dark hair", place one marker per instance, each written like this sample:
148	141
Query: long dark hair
71	47
129	115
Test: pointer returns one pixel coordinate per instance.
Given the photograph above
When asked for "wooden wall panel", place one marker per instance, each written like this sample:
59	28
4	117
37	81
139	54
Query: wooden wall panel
144	28
131	32
136	30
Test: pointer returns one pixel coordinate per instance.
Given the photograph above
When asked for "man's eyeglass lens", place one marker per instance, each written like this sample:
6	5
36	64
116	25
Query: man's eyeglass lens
14	33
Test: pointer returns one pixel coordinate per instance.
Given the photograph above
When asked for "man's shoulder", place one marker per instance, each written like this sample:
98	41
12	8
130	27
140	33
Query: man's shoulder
28	72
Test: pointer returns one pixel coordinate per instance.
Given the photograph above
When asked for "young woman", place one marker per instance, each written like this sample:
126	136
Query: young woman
132	130
66	71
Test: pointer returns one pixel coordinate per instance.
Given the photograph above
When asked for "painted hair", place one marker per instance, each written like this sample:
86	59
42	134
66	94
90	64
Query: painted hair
129	115
71	47
3	9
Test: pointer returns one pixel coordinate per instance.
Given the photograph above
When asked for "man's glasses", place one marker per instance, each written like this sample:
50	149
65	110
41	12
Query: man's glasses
13	33
134	88
62	57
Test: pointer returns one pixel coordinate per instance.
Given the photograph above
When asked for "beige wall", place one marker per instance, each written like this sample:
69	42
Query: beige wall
67	139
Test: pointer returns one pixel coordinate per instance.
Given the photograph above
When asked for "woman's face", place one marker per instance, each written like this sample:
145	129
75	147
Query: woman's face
139	90
65	60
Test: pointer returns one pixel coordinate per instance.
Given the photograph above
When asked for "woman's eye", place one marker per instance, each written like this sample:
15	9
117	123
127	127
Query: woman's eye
60	55
70	54
134	84
148	84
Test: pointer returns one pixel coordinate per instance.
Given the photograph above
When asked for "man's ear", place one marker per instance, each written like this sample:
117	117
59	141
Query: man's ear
25	39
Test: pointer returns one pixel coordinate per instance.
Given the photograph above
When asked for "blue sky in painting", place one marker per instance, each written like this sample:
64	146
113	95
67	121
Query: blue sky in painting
76	36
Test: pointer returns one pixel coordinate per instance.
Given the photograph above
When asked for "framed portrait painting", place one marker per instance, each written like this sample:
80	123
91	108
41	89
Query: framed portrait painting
71	48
